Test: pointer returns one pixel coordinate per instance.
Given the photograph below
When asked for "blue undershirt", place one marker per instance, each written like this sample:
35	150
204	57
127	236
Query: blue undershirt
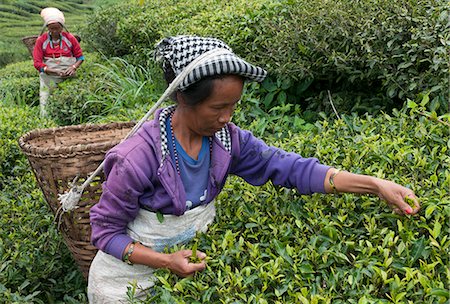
194	173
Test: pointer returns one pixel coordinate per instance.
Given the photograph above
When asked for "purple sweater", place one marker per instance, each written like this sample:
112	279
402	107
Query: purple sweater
140	173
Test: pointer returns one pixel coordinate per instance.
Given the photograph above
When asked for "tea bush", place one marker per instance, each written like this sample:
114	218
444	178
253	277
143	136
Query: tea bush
373	53
271	245
105	87
19	84
35	265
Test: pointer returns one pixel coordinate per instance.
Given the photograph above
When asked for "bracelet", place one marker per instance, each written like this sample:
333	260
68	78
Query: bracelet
74	66
331	180
127	255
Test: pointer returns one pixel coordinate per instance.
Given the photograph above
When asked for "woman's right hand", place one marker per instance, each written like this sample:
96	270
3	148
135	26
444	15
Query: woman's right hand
180	264
50	71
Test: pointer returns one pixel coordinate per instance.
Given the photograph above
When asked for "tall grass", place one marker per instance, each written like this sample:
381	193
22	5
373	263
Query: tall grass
106	87
129	85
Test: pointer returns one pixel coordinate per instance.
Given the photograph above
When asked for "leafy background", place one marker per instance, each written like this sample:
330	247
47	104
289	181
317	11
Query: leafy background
382	64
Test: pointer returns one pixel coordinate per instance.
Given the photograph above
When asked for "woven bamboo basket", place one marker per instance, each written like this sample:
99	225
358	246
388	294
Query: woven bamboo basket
58	156
30	41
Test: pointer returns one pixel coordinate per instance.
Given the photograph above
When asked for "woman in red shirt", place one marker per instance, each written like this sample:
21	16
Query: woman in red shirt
56	55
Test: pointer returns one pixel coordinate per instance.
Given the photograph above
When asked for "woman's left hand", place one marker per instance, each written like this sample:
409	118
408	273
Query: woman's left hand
397	197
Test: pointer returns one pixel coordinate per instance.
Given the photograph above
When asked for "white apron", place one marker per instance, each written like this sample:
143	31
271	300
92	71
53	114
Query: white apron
109	277
48	82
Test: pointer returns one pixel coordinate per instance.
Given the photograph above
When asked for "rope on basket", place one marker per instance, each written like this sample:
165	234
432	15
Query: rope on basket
70	199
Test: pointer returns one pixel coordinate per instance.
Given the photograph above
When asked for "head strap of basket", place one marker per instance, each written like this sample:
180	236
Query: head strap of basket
70	199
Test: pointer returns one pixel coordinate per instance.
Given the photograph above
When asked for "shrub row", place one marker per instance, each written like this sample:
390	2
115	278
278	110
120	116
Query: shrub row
271	245
102	87
35	265
368	54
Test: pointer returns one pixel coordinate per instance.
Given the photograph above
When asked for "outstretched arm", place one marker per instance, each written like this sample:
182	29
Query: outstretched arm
394	194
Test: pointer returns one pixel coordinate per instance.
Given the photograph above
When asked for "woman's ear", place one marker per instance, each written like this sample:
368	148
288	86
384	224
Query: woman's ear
179	98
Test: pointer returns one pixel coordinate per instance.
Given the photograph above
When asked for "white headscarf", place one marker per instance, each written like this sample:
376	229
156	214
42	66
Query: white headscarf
52	15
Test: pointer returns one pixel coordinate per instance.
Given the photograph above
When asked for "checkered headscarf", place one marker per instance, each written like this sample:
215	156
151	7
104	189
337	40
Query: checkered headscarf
177	52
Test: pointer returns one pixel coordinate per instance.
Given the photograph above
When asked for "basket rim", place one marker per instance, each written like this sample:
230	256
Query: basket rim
30	37
68	151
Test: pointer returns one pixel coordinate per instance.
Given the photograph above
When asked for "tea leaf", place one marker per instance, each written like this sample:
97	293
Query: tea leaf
160	216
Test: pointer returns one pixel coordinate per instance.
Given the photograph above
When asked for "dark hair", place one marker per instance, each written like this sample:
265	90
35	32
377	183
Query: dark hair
197	92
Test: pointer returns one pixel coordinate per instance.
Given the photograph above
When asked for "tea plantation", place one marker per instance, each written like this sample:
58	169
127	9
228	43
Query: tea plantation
271	245
267	244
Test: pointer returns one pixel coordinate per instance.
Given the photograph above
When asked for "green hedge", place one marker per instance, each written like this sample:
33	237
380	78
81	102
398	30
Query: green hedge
19	84
105	87
35	264
270	245
368	54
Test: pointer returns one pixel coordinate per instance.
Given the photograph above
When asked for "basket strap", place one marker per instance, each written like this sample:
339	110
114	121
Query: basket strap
45	26
43	29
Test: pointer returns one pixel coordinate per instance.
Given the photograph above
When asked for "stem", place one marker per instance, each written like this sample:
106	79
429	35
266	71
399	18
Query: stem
434	119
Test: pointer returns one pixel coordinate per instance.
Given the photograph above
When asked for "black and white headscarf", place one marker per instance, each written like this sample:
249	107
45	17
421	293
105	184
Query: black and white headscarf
177	52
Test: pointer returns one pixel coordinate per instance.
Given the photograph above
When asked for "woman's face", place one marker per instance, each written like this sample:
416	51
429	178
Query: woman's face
212	114
55	29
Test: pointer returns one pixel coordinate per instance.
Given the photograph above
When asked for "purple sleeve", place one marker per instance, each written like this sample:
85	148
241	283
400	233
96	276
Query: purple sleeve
257	163
118	205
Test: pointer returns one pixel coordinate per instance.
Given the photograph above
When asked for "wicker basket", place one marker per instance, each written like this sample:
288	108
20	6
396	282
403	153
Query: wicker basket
30	41
59	155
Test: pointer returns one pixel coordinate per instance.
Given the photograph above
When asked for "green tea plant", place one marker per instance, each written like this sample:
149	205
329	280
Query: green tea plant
105	87
35	264
271	245
19	84
371	55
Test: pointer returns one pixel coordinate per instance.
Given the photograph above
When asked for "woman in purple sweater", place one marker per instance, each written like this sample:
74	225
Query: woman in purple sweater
176	164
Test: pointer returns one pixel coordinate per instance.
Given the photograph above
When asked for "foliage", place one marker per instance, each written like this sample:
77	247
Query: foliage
19	84
272	245
371	55
35	265
23	69
104	87
278	120
269	244
20	91
102	32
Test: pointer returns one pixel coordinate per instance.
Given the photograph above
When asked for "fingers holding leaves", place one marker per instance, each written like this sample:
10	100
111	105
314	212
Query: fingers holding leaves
413	203
183	265
401	199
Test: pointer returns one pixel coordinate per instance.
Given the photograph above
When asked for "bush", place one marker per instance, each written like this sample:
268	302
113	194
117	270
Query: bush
36	266
373	53
19	84
13	124
104	87
271	245
24	69
103	38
